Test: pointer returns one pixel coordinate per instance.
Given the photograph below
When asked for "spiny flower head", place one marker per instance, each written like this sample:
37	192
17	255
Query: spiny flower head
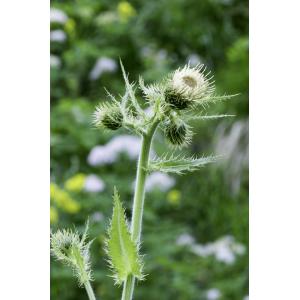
177	133
108	116
187	85
70	249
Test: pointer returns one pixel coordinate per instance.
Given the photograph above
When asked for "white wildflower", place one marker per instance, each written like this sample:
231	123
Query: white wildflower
93	184
100	155
58	16
224	254
126	144
202	250
158	180
103	65
55	61
109	153
58	36
185	239
224	249
97	217
213	294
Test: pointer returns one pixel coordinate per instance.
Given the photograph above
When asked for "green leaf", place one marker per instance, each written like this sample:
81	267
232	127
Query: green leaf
123	253
179	164
217	98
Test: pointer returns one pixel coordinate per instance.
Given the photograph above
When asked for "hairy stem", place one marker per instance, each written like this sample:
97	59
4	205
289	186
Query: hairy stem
138	201
128	288
89	291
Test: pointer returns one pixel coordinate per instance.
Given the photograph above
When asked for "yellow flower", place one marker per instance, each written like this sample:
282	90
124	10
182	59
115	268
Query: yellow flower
75	183
126	11
70	27
173	197
53	215
63	200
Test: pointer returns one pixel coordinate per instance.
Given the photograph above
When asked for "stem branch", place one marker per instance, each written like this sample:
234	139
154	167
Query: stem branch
89	291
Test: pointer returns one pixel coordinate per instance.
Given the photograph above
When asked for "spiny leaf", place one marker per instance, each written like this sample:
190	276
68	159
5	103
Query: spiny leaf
215	99
206	101
207	117
122	251
179	164
130	91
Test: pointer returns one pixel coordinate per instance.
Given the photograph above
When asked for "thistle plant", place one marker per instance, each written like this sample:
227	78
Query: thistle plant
174	103
72	250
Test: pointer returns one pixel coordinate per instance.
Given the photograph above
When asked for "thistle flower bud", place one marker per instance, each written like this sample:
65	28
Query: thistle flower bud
108	116
177	133
186	86
112	119
68	248
176	99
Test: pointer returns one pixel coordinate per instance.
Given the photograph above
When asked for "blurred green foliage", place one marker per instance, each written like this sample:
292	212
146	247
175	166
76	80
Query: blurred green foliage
152	38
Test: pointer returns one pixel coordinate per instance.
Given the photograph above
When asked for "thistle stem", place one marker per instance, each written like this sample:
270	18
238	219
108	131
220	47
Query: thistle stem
89	291
138	201
128	288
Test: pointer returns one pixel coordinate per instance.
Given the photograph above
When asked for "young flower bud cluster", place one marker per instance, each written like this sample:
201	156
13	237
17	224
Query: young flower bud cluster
172	103
187	85
108	116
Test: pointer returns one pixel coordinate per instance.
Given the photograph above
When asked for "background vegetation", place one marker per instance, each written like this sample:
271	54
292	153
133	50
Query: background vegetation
195	229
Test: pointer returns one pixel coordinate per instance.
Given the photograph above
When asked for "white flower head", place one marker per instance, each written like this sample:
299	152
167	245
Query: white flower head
100	155
109	153
188	85
160	181
185	239
93	184
103	65
213	294
225	249
58	36
58	16
55	61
